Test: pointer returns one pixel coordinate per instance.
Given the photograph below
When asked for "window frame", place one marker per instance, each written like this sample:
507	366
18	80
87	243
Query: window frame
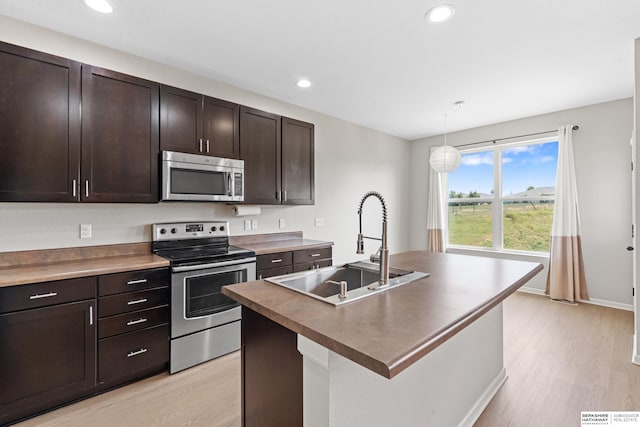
497	200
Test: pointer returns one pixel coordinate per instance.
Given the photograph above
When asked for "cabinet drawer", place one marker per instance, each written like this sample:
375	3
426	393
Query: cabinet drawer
117	283
276	271
310	255
273	260
22	297
124	355
311	265
134	321
132	301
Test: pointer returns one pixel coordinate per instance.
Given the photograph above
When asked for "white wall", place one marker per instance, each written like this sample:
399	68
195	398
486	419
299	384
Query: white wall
350	160
602	156
636	122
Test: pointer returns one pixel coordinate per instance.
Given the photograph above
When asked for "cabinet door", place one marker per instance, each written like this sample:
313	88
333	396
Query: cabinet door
221	128
47	357
297	162
260	150
120	126
271	373
180	120
39	126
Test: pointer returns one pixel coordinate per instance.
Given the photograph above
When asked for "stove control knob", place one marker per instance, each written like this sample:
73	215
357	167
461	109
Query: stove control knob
163	231
213	228
222	228
174	230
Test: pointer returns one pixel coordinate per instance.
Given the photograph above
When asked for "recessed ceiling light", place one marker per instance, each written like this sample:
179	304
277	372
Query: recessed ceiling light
101	6
440	13
304	83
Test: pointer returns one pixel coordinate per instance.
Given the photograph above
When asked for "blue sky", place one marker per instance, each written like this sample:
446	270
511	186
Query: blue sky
522	166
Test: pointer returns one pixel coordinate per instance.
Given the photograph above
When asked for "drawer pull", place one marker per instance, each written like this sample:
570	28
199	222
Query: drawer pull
138	301
135	322
315	255
273	261
136	282
137	352
38	296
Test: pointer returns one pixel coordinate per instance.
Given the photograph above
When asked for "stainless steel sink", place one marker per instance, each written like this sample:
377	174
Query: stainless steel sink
361	278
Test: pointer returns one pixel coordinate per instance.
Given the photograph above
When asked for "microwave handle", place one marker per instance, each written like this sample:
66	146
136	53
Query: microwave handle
229	192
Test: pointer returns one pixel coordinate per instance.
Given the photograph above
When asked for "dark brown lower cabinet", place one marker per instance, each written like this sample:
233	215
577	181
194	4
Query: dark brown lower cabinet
271	373
47	357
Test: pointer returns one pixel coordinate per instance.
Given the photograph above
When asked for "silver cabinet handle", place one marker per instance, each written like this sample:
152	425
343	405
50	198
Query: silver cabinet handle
137	352
91	315
136	282
138	301
315	254
200	145
207	145
259	276
74	187
48	295
284	196
135	322
273	261
279	195
86	188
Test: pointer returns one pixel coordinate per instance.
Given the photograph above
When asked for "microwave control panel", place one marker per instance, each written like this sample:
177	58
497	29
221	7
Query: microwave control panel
237	184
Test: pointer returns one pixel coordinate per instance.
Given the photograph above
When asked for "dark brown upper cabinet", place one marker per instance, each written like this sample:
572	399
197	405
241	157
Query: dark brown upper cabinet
297	162
260	148
120	141
39	126
198	124
279	158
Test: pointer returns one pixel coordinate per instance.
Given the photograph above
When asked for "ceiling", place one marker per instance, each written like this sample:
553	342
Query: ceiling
379	64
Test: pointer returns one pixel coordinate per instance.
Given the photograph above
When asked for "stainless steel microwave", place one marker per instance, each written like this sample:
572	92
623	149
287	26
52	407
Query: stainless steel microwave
191	177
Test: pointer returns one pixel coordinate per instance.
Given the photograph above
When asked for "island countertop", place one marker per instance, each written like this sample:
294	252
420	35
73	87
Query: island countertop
388	332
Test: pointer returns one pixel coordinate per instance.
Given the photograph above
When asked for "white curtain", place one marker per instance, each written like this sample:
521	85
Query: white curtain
565	279
435	211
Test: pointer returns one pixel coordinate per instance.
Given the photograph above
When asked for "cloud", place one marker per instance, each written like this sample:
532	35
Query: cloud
477	159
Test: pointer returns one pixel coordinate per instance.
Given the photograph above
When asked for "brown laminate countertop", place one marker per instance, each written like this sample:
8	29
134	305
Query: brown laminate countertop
263	244
388	332
19	268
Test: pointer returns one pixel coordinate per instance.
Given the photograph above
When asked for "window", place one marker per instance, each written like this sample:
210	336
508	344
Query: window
502	198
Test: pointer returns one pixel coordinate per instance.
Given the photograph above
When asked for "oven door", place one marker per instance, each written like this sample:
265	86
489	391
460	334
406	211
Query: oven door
197	302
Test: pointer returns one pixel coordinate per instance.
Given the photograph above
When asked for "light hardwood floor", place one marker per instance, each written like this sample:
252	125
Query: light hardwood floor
560	360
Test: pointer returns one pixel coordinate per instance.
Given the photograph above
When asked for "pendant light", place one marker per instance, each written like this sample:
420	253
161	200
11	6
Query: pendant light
445	159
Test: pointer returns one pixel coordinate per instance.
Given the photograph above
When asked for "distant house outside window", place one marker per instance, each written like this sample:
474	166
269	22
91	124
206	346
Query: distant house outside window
502	198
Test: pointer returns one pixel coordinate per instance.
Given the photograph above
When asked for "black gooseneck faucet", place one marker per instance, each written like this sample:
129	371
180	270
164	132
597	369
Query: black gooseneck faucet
383	258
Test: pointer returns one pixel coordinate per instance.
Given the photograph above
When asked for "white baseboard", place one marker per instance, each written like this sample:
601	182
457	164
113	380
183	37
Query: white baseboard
635	357
535	291
594	301
484	399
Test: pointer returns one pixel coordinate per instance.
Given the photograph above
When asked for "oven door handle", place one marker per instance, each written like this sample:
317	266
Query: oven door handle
213	265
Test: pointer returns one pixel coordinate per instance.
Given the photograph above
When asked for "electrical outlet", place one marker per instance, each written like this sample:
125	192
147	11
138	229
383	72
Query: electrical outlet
247	224
85	231
281	223
319	222
254	224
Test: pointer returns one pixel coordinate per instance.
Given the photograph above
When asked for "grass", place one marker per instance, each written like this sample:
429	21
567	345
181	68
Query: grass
526	226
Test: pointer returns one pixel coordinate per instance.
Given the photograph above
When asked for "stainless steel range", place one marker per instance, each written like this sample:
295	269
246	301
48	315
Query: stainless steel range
204	323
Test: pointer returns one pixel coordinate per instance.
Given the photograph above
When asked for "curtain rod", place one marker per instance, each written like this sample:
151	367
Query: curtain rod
576	127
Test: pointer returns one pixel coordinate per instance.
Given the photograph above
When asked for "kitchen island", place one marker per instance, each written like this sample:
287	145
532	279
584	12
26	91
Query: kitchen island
426	353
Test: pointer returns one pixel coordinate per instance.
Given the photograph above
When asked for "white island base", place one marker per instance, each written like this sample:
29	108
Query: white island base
448	387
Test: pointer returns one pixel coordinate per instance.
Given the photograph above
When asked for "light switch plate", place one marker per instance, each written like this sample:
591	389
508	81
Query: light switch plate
319	222
281	223
254	224
85	231
247	224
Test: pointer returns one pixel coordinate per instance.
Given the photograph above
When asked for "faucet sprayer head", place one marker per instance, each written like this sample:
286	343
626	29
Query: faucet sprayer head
360	245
